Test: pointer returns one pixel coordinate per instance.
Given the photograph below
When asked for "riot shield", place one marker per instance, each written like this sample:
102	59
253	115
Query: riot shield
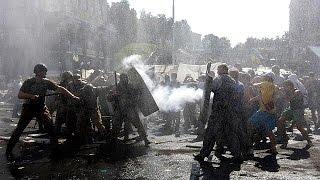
146	104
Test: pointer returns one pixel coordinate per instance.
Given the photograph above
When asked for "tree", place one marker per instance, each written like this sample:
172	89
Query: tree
125	21
215	47
155	29
182	34
259	51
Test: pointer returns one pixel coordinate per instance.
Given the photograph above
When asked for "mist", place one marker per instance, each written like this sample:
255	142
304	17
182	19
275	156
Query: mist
28	36
168	99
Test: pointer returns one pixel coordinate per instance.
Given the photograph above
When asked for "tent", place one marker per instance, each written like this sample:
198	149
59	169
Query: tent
193	70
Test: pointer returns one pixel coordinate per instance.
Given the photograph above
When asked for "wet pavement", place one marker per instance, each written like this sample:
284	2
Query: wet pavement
167	157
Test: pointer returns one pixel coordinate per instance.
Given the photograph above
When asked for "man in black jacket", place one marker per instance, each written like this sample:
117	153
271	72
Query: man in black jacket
222	124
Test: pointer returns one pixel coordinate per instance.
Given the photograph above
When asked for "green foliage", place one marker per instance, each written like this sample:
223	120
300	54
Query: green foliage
255	51
154	29
158	30
150	33
215	47
125	21
182	34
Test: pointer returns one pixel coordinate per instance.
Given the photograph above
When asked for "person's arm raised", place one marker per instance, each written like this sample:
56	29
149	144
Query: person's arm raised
23	95
67	93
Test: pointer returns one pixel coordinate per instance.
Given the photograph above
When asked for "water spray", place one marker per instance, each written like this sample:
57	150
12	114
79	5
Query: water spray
168	99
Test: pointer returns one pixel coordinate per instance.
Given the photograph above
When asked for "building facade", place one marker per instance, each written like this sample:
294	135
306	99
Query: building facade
304	27
64	34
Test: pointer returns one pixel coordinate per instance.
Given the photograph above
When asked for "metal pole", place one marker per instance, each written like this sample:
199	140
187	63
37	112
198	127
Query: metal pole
115	79
173	39
173	10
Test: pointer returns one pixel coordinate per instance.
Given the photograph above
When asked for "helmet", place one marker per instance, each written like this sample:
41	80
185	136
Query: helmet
76	76
66	75
40	68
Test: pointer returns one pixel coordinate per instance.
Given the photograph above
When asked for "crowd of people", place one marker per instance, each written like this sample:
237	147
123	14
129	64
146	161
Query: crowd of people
238	109
79	105
248	108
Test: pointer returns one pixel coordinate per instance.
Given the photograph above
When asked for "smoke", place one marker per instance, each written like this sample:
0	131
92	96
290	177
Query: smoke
136	62
168	99
175	99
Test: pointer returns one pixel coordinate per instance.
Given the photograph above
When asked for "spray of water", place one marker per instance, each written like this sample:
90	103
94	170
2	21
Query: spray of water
136	62
175	99
168	99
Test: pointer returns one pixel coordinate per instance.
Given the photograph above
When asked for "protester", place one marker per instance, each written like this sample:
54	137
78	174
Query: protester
166	115
175	114
264	120
33	91
249	93
221	124
278	78
62	108
294	113
313	88
75	87
189	110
